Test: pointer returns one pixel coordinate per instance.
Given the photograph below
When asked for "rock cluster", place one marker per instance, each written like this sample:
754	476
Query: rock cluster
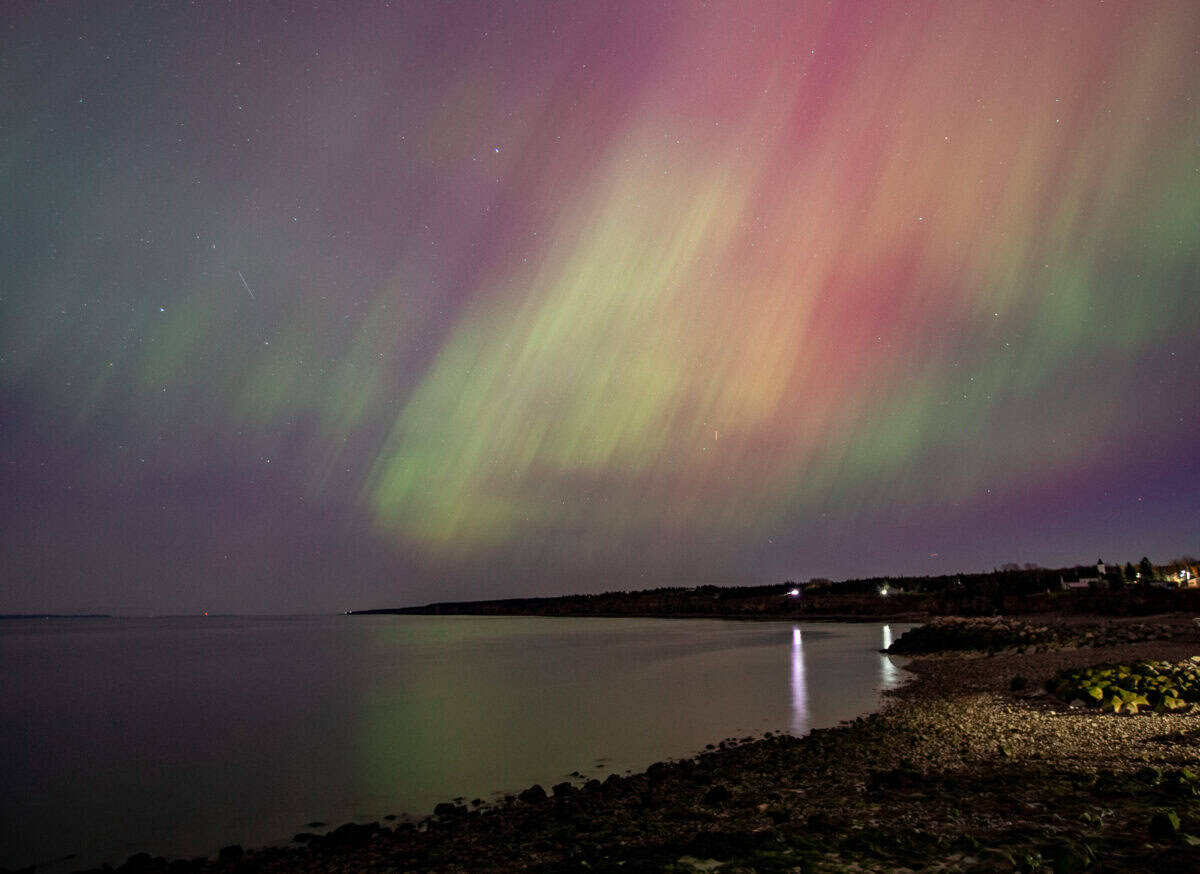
1008	636
1164	686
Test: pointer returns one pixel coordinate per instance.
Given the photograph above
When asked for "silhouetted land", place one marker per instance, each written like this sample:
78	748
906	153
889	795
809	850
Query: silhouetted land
1019	592
55	616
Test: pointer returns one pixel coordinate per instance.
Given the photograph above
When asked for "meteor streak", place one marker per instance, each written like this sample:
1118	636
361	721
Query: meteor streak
246	285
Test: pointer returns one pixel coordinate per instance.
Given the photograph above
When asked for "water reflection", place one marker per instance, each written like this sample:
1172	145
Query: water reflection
800	723
889	674
386	713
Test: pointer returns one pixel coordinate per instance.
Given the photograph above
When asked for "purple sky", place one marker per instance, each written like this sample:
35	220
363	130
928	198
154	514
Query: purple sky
311	307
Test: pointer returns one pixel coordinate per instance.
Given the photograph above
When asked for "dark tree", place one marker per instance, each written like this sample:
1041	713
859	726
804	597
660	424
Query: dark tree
1130	572
1146	569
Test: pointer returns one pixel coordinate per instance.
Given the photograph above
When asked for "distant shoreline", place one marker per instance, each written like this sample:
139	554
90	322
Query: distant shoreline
56	616
990	595
916	616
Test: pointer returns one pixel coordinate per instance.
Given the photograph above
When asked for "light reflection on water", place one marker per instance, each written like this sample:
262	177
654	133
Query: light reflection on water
178	736
889	674
800	723
838	661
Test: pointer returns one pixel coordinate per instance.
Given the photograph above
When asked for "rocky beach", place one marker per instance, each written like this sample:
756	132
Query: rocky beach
971	766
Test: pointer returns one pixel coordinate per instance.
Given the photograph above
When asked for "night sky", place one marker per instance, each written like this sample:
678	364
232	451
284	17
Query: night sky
329	306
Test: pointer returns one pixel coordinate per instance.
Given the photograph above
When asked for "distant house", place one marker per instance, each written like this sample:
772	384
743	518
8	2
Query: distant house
1084	576
1178	578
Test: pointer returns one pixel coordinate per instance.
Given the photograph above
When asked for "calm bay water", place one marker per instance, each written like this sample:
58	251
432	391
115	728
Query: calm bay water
179	735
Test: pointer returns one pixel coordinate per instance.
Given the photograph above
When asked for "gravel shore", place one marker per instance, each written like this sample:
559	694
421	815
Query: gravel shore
957	773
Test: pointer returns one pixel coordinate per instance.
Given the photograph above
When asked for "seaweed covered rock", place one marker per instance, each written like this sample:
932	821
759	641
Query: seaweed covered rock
1163	686
1164	825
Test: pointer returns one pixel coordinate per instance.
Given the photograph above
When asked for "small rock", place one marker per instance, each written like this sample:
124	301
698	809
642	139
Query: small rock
657	772
535	794
822	822
718	794
351	834
1164	826
1148	775
1070	856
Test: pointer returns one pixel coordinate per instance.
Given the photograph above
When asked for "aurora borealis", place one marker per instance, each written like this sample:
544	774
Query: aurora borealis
321	306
